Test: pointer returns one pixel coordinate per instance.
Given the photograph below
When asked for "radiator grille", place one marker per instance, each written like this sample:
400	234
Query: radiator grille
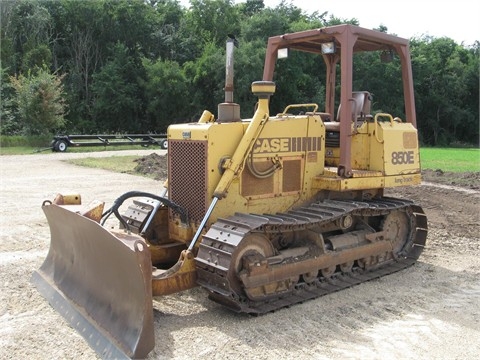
187	177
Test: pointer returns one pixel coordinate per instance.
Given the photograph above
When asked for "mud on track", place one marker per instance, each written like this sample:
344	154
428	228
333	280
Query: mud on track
429	311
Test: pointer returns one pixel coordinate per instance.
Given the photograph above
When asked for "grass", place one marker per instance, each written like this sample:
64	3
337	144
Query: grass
25	150
121	164
16	150
450	159
24	140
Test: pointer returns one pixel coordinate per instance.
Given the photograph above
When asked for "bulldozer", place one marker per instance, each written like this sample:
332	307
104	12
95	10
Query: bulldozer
262	213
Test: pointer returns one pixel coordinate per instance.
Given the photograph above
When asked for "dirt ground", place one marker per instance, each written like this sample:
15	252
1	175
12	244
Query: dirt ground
428	311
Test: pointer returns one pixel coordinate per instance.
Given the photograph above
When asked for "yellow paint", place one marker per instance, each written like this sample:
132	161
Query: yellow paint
384	154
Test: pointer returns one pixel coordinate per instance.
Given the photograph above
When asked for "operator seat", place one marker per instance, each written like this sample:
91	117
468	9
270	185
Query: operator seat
361	107
362	104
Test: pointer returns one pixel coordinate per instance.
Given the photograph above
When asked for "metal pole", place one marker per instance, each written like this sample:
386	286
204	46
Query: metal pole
202	225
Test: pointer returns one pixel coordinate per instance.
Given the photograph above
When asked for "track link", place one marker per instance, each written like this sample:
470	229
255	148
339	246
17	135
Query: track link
216	252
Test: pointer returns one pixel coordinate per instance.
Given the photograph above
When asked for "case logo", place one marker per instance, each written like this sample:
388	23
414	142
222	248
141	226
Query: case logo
287	144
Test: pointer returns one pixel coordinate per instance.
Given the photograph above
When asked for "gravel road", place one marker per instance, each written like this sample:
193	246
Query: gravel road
428	311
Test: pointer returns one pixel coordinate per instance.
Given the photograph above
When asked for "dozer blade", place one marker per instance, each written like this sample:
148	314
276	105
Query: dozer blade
100	282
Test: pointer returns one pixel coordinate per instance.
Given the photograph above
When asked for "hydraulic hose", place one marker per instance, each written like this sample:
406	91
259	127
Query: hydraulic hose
120	200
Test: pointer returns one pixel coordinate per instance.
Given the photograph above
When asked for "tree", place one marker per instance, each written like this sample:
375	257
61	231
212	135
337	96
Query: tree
40	102
251	7
262	25
125	62
38	57
8	123
207	77
118	104
166	93
209	21
82	27
300	79
29	29
168	40
248	67
445	88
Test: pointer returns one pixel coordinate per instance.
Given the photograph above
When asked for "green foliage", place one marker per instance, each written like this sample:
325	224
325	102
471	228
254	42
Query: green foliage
248	64
37	58
27	27
447	88
263	24
117	93
137	65
300	79
168	41
381	79
207	76
166	104
209	21
39	101
8	123
251	7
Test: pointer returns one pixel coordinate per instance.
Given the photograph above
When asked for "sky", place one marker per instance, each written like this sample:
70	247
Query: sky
457	19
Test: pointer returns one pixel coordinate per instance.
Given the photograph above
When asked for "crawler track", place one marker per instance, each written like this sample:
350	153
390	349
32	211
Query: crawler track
217	252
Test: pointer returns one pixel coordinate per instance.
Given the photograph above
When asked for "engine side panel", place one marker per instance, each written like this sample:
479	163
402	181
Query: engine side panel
293	146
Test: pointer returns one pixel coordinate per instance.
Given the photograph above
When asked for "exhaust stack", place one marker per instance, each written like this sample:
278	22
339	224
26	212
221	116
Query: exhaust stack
229	111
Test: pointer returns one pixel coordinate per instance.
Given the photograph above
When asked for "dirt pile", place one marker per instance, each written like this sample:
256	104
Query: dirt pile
153	164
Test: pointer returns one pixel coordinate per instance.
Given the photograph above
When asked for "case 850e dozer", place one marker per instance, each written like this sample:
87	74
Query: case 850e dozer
263	213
